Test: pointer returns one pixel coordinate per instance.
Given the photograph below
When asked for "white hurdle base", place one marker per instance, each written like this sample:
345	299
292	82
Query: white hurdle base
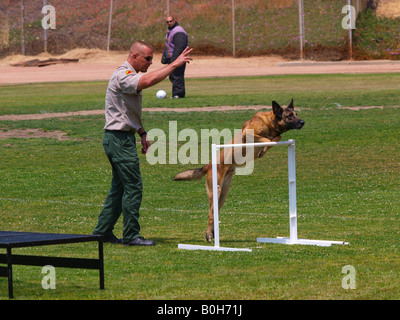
321	243
210	248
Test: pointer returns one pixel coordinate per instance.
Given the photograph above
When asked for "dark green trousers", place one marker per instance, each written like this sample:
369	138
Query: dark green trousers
125	195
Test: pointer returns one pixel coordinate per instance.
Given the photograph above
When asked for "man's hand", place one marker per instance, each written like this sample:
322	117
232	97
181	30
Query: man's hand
154	77
145	144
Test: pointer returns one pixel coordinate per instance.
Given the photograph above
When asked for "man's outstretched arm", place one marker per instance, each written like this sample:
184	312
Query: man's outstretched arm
154	77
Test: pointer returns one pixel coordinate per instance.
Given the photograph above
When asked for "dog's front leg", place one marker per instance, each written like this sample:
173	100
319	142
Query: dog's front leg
264	150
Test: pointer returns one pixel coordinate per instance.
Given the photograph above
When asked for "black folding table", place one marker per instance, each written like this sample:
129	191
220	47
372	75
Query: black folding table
14	239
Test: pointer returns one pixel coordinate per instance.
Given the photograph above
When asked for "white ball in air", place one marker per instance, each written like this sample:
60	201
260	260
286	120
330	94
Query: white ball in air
161	94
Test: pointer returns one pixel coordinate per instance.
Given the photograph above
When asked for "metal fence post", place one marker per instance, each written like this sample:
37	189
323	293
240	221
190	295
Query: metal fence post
44	30
109	26
352	23
23	27
233	30
301	28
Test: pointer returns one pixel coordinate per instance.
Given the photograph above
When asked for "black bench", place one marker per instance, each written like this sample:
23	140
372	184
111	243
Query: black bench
13	239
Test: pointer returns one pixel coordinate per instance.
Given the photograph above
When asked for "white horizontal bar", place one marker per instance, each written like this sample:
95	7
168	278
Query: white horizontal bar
323	243
256	144
274	240
211	248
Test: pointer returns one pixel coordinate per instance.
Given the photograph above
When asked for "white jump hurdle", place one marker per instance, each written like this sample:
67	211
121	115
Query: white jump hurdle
293	239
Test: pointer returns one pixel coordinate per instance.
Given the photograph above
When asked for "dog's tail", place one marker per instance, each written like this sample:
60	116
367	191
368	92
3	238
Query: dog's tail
193	174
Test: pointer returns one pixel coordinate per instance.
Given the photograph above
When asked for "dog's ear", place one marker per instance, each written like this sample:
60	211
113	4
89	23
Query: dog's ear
291	106
278	111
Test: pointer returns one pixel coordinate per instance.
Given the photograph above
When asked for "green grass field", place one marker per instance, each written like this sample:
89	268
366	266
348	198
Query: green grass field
348	188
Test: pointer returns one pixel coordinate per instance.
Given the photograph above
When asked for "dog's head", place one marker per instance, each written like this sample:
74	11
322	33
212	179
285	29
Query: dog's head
287	118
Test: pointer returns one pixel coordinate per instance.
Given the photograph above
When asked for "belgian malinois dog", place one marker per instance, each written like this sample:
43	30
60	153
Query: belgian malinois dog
263	127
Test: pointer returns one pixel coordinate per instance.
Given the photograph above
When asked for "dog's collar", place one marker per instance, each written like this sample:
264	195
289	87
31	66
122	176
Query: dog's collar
275	126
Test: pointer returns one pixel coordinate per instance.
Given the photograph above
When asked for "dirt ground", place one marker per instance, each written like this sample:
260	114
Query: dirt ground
99	65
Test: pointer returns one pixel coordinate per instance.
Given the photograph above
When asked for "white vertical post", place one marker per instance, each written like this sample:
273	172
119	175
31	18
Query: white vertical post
215	193
292	191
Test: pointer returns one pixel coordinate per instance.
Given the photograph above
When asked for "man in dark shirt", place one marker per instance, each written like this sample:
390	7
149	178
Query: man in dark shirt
176	41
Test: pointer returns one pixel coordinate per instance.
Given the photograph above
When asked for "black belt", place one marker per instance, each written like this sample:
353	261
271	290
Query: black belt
120	131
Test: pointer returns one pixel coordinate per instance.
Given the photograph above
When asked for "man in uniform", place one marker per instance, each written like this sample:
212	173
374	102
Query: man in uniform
123	110
176	41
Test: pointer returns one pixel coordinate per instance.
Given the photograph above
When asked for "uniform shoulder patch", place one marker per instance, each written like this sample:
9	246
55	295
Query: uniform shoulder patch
129	71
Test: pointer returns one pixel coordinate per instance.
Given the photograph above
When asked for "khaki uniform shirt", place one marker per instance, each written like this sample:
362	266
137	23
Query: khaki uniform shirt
123	101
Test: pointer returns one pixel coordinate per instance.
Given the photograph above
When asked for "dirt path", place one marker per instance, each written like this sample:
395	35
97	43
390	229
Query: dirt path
99	65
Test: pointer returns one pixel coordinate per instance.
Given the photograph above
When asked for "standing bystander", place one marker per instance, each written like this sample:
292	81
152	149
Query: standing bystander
176	41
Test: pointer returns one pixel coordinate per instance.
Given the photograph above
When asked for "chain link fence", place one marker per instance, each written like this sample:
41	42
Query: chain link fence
310	29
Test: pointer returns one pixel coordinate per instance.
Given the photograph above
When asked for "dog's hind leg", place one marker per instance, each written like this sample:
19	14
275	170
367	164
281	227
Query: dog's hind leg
210	223
225	175
225	187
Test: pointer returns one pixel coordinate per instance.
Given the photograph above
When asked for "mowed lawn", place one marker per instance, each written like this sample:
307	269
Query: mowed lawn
348	189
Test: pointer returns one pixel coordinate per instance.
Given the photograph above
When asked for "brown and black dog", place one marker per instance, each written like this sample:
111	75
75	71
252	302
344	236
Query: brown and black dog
263	127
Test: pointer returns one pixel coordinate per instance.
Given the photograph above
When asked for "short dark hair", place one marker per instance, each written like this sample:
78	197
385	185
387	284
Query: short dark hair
140	43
